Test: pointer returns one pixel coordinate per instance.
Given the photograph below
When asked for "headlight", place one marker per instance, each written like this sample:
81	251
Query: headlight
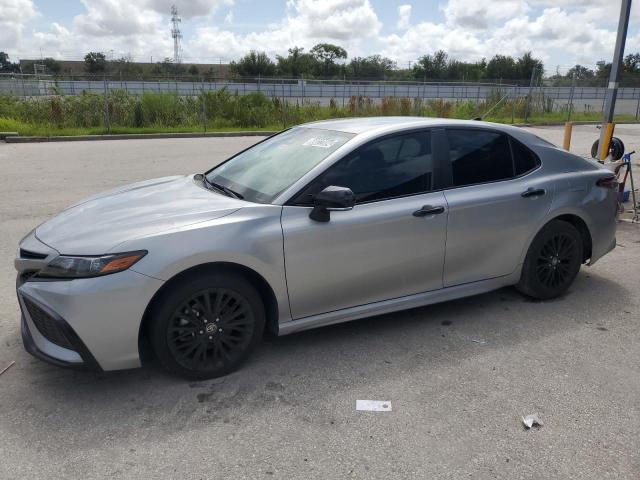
66	266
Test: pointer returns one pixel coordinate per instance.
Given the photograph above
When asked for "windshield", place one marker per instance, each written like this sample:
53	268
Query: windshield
264	171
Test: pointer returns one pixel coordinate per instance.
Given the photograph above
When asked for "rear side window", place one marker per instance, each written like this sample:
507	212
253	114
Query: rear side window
523	158
479	156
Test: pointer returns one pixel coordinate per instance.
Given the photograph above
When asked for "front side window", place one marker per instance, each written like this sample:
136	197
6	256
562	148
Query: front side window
262	172
478	156
393	167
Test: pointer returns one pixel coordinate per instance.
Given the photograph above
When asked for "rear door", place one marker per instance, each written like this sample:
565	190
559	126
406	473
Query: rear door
382	248
497	197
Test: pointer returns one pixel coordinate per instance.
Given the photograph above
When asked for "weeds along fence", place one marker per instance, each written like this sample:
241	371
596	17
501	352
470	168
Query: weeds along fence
192	106
291	88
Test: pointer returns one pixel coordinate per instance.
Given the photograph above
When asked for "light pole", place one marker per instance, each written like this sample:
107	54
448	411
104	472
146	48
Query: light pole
612	91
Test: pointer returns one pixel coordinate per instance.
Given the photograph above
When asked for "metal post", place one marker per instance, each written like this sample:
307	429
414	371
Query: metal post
612	90
344	88
570	106
106	106
528	98
204	107
638	105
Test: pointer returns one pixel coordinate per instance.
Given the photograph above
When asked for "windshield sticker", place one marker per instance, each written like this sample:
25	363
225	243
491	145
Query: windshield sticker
321	142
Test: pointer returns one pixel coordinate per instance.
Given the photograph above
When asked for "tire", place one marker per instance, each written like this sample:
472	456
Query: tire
552	262
207	326
616	149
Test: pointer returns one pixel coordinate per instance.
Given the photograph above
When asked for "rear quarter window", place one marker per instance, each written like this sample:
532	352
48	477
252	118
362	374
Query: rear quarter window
524	160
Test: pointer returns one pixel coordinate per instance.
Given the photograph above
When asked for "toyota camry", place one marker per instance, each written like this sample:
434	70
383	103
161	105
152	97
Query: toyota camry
322	223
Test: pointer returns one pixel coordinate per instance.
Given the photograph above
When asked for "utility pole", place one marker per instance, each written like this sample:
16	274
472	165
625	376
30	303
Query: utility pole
606	132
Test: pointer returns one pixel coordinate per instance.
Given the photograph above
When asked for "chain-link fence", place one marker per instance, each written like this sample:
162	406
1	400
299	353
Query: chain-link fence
207	103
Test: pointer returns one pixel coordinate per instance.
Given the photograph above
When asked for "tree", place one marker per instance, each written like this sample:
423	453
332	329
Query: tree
297	63
327	54
167	67
580	73
631	63
433	67
4	60
95	62
603	70
6	65
253	64
502	66
374	66
52	65
193	70
526	65
125	67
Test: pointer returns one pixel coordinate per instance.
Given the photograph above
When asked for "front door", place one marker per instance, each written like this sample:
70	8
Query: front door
385	247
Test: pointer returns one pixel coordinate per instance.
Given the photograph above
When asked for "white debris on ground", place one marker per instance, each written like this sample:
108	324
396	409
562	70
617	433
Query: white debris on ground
373	405
532	420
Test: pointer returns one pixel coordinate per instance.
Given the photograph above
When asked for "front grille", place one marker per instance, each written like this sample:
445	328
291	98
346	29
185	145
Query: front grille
32	255
47	325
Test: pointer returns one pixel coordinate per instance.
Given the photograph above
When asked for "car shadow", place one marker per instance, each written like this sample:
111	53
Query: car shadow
297	370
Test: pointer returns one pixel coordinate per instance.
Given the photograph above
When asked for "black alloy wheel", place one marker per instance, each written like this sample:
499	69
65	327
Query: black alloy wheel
555	260
207	324
552	261
210	328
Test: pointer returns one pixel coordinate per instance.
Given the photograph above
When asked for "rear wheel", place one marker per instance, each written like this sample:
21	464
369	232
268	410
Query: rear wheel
207	326
552	262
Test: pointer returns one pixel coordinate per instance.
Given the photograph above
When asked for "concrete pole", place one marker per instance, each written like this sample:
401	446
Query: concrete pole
612	91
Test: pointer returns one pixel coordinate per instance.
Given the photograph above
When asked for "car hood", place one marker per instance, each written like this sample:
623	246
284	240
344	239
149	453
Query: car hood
98	224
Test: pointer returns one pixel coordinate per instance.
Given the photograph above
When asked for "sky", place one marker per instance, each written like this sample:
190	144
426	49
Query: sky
560	32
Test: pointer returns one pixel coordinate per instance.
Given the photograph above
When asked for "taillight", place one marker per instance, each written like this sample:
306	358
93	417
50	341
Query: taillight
610	182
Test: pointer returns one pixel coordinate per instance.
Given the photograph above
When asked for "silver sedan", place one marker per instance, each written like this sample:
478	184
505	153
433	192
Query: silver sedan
323	223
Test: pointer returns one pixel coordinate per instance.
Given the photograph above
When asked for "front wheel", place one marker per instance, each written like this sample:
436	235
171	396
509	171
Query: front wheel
207	325
552	262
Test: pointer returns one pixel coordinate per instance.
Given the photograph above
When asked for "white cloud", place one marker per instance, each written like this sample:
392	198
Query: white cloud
186	8
558	31
473	29
479	14
334	19
404	16
347	22
14	14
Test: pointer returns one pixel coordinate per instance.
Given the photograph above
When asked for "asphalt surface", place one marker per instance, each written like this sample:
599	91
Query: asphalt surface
459	375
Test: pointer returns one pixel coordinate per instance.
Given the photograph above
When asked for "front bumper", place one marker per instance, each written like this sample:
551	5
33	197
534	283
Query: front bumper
76	357
90	323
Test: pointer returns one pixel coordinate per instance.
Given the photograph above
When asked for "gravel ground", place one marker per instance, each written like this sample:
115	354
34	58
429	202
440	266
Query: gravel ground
459	375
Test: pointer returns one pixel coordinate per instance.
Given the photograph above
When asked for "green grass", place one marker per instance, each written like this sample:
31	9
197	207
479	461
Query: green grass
31	130
84	114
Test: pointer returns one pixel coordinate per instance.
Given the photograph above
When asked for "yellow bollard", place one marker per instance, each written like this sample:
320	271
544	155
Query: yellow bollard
607	141
568	128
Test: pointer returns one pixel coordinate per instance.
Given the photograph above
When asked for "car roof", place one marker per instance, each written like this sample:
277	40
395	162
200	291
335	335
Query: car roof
362	125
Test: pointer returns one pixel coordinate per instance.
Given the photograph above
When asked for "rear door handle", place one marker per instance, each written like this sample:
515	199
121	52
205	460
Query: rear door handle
428	210
533	192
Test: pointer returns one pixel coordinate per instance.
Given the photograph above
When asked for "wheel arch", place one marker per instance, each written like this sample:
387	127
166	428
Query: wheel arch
258	281
574	219
583	229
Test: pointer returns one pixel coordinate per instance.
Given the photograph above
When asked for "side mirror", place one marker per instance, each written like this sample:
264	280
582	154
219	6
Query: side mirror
331	198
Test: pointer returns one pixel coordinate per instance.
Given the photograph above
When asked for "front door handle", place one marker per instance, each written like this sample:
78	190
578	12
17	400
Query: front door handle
533	192
428	210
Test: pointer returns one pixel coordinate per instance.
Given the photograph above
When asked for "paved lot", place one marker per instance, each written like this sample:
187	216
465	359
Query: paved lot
459	375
